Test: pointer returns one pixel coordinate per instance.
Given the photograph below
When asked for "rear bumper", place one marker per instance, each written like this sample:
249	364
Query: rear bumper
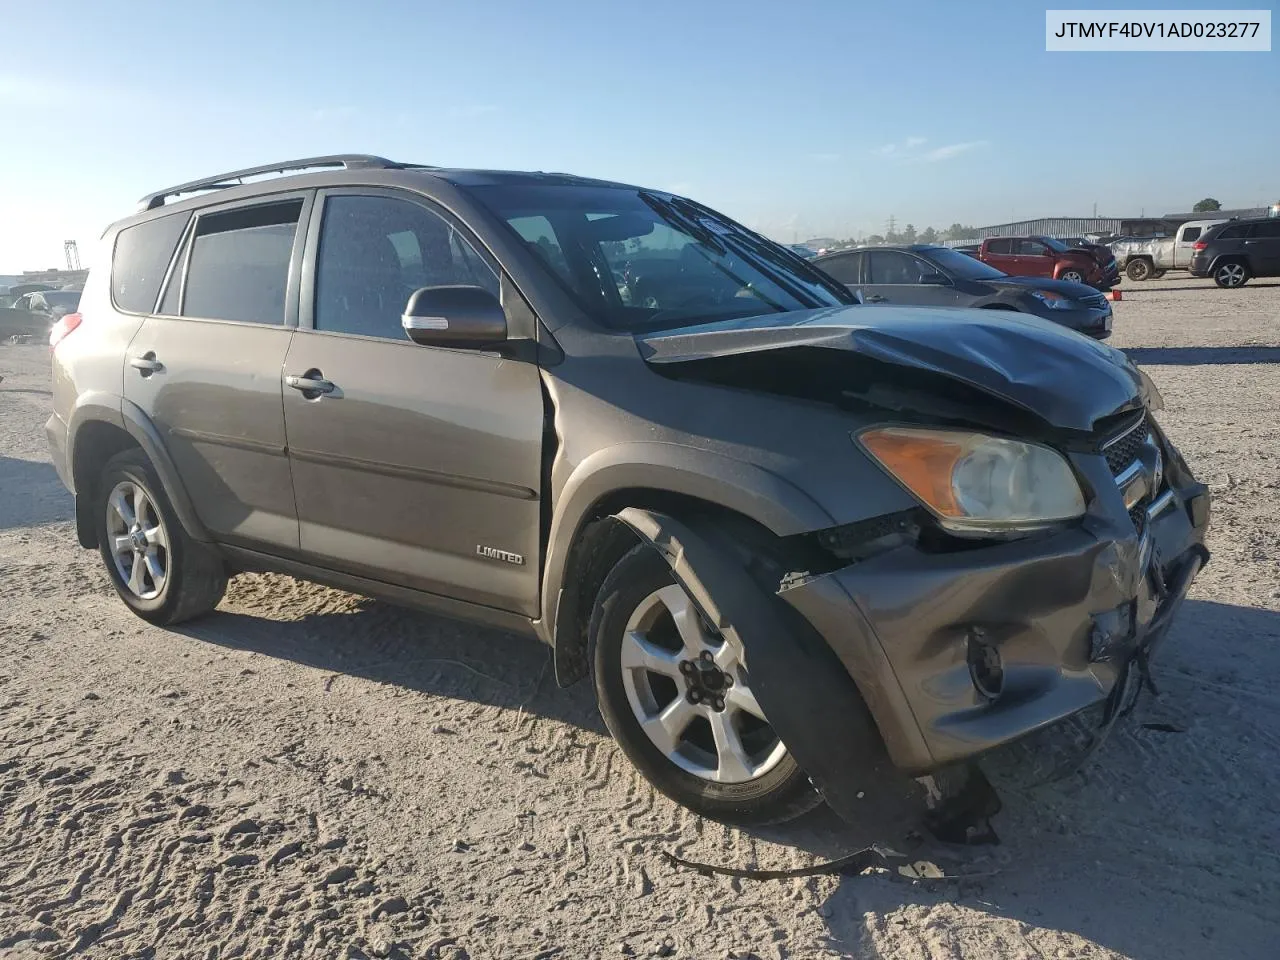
56	433
1066	612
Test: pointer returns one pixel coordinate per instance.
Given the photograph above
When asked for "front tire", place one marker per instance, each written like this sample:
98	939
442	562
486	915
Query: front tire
160	573
677	697
1072	275
1230	275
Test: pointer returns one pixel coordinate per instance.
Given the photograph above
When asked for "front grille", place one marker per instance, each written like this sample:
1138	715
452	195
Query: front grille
1139	517
1122	449
1095	301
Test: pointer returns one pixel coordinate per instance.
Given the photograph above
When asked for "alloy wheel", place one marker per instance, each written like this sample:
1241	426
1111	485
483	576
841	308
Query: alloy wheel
1073	276
690	691
1231	274
138	540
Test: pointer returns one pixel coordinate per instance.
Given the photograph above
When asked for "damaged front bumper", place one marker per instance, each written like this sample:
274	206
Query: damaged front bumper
956	653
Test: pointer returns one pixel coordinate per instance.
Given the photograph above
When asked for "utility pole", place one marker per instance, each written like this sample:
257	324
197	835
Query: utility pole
890	226
72	253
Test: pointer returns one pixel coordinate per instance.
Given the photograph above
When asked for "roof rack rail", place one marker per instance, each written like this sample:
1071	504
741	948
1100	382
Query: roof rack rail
348	161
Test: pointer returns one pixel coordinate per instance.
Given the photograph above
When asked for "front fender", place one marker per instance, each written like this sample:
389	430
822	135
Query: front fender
768	499
810	699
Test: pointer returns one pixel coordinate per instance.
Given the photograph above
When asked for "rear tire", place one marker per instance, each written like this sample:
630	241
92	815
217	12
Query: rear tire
1139	270
1231	274
160	573
781	791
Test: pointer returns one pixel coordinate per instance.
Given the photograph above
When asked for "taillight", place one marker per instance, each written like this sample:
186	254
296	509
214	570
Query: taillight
1201	245
62	328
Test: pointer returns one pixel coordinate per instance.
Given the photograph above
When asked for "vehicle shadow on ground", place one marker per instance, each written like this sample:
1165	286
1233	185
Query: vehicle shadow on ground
1201	356
31	494
1076	858
417	651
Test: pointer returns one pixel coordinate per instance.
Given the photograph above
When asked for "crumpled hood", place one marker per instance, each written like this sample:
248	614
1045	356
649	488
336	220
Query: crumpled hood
1066	379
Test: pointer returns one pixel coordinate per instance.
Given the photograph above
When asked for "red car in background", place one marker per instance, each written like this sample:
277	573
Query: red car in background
1048	257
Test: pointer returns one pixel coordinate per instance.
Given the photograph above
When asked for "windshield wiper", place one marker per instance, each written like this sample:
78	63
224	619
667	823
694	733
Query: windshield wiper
766	257
689	225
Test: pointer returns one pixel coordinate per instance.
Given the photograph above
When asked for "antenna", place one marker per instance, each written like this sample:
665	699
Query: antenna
72	253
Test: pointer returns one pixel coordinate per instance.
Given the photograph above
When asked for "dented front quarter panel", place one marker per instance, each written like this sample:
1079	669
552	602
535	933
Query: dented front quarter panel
812	703
1065	610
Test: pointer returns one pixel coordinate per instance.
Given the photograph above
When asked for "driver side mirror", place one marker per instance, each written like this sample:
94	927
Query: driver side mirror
459	316
934	279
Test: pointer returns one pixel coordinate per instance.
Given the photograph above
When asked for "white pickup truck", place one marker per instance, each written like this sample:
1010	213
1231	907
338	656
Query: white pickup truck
1147	258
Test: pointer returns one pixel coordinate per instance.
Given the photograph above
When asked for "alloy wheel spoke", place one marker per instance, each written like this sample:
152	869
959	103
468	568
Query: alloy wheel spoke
666	727
136	583
156	536
725	656
124	510
122	545
740	697
734	765
154	568
638	652
686	618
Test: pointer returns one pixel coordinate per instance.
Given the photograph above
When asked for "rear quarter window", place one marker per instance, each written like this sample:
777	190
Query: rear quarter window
140	260
1238	232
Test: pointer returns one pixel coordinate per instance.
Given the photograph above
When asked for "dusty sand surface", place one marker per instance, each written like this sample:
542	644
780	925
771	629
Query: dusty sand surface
308	773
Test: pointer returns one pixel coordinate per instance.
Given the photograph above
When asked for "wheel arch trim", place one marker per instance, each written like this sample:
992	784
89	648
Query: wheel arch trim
665	468
129	417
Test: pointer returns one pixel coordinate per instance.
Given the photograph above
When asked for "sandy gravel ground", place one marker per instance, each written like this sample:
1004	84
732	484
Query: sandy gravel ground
308	773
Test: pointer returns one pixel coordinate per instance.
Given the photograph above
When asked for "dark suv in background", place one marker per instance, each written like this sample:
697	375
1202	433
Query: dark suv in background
1238	250
787	535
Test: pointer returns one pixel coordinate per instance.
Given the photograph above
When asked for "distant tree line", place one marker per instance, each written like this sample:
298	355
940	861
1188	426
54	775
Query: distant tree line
909	234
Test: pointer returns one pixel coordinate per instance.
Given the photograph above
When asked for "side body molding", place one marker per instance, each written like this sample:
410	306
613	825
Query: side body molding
810	699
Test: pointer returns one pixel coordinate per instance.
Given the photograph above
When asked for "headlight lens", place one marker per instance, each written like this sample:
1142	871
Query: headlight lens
1054	301
976	482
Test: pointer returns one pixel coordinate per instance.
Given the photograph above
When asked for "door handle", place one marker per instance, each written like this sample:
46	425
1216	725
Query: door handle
146	364
310	382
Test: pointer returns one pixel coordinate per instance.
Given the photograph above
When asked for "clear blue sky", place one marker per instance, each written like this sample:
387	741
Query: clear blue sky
810	117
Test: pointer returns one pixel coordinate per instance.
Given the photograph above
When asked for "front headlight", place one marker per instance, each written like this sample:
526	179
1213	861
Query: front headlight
1054	301
975	482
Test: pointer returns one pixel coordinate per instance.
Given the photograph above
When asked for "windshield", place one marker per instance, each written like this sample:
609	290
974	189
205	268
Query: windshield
638	261
962	266
62	298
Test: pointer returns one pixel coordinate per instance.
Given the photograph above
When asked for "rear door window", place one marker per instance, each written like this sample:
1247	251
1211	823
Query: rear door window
141	257
1000	246
1191	233
890	266
239	264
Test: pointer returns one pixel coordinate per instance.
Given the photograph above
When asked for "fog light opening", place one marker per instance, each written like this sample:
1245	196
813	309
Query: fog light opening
986	669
